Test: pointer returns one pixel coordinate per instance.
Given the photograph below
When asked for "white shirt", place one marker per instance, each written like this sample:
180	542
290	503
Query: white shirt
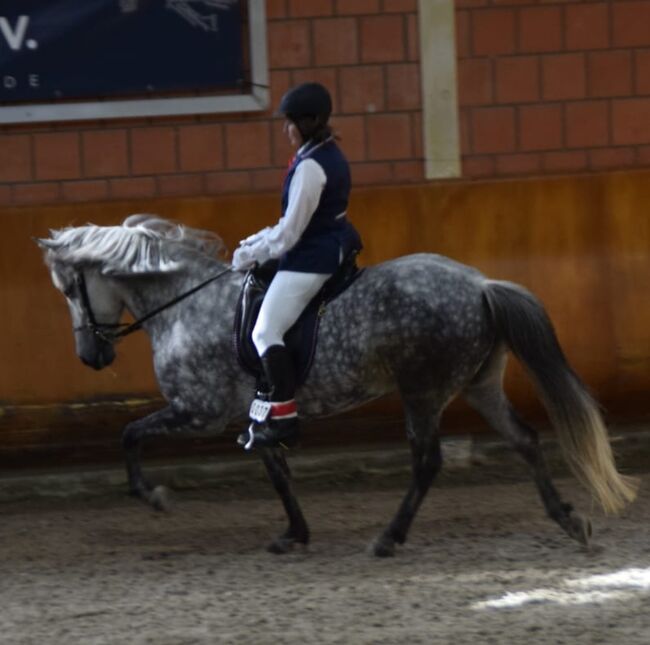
305	191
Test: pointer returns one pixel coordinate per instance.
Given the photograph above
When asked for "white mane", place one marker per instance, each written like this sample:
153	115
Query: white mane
142	244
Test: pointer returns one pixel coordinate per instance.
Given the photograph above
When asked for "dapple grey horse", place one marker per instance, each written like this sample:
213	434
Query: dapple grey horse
424	325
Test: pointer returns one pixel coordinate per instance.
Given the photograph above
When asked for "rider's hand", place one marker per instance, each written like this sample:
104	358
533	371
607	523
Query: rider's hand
243	259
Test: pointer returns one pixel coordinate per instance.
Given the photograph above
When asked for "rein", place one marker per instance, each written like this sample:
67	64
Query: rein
110	332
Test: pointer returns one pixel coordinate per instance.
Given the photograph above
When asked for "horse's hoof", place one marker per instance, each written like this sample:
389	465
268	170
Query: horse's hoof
281	545
383	547
579	529
159	499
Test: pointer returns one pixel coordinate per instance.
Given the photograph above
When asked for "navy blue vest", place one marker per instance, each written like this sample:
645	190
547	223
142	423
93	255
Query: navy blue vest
326	239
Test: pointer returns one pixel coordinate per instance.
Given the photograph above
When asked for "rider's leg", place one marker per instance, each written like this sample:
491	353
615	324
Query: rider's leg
288	295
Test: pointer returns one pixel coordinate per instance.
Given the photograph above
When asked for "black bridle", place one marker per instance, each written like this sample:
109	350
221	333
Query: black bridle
111	332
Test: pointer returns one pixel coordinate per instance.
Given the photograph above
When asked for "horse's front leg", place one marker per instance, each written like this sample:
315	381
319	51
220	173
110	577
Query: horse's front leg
297	531
162	422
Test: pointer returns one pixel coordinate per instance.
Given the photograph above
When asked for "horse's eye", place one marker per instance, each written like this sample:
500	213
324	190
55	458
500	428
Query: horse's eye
68	292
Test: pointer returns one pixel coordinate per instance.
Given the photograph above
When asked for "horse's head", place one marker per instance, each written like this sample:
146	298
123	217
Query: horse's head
93	301
92	265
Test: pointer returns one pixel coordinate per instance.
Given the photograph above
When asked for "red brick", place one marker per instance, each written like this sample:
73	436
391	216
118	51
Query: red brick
565	161
201	147
610	73
335	41
42	193
382	39
280	84
587	124
564	77
57	155
248	145
400	6
395	146
493	32
404	86
132	187
587	26
463	44
302	9
631	121
6	196
362	89
276	9
371	173
282	150
518	164
289	44
327	76
517	79
611	158
269	179
416	129
15	158
475	167
105	153
153	150
540	29
472	3
493	130
180	184
356	7
465	130
475	81
540	127
412	38
410	171
228	182
352	131
643	71
85	191
643	155
631	23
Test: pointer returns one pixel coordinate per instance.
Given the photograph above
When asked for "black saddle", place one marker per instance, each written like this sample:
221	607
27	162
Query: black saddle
301	339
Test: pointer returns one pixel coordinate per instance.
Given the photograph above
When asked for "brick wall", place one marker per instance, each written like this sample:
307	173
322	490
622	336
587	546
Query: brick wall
545	86
551	86
366	51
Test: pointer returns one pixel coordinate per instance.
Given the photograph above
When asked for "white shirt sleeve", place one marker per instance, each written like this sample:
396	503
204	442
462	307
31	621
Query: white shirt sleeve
305	191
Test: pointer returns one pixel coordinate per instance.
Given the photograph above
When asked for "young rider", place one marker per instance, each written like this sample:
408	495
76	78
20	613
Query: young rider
310	240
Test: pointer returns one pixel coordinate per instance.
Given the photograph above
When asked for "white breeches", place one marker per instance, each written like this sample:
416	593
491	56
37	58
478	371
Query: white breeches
287	296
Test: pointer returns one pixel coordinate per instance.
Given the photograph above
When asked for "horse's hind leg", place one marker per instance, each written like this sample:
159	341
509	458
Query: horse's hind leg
297	532
422	418
485	394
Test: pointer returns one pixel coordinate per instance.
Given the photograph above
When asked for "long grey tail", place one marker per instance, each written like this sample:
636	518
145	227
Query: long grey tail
524	325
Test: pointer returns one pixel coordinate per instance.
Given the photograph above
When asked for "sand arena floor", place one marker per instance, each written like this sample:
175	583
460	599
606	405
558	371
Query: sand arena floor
483	565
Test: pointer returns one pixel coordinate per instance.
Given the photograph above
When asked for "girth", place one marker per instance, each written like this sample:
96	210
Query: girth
301	339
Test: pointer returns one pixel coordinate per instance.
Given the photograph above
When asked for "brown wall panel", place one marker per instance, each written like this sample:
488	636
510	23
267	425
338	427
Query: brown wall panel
582	244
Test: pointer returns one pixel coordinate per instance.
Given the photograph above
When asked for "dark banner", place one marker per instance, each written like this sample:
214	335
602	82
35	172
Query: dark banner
67	49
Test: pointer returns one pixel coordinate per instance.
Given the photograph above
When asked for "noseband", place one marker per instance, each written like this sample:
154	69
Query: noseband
111	332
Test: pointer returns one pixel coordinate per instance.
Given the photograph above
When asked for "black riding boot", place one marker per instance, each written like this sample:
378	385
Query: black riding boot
281	426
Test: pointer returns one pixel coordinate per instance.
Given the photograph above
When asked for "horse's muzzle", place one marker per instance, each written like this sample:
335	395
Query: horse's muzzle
101	355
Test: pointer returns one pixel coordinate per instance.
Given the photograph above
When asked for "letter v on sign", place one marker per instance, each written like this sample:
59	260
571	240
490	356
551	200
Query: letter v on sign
14	37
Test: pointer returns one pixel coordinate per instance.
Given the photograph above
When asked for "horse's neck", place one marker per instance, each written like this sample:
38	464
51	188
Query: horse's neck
145	294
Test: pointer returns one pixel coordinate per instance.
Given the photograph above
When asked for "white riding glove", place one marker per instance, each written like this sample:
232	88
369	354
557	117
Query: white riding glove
243	258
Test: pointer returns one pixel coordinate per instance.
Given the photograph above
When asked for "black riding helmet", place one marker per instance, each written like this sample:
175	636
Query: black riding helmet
309	106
